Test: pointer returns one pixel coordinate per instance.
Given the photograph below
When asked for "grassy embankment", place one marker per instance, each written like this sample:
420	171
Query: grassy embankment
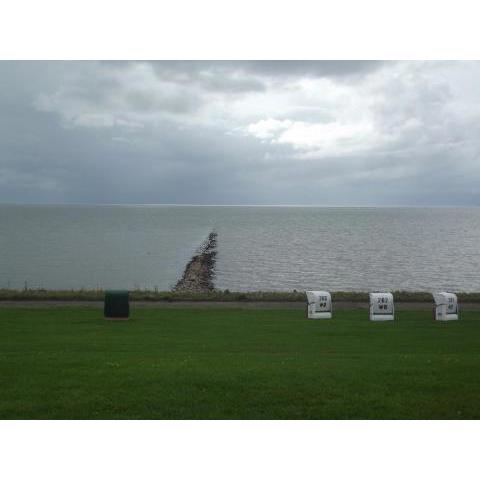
217	295
191	363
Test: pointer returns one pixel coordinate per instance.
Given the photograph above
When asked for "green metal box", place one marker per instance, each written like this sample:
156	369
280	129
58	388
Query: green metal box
117	304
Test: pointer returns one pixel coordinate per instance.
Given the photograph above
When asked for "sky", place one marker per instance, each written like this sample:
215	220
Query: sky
240	132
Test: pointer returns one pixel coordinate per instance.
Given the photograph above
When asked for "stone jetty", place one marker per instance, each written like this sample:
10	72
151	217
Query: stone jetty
199	273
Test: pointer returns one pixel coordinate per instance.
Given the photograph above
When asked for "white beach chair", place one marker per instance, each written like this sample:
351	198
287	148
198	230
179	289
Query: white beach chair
319	304
381	306
446	306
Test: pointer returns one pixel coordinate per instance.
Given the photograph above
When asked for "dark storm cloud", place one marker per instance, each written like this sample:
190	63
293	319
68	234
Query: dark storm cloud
249	76
325	68
239	77
310	68
240	132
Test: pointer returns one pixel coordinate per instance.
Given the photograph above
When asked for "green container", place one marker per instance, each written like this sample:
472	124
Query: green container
117	304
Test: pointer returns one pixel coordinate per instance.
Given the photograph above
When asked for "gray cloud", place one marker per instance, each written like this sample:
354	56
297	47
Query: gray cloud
325	68
240	132
311	68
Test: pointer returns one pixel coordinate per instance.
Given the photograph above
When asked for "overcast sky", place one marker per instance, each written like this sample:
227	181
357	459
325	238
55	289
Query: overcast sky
324	133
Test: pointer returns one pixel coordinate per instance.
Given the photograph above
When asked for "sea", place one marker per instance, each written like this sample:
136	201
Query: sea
269	248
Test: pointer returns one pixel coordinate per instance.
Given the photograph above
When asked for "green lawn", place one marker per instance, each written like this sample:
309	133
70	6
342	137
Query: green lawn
70	363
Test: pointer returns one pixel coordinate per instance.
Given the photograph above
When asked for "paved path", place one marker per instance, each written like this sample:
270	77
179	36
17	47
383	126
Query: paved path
206	304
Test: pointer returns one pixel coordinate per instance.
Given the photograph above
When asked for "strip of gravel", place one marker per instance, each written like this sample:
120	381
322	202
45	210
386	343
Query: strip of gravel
206	304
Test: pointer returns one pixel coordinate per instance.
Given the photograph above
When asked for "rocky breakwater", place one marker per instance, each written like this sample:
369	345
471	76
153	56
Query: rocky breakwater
200	270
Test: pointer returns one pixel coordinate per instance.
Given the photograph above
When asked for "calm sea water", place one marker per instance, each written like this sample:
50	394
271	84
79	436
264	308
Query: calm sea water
259	248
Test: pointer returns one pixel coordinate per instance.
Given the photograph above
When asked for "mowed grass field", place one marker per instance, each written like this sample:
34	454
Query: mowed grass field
69	363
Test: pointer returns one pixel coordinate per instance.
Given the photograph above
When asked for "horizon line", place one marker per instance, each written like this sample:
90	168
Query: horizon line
237	205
